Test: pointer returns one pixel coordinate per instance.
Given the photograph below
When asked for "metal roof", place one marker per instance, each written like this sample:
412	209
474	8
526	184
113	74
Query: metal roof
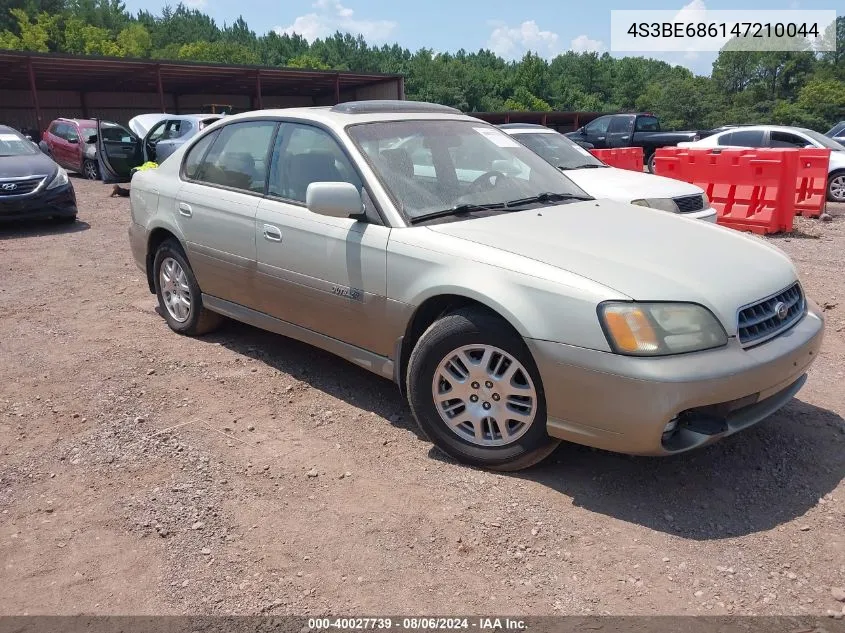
110	74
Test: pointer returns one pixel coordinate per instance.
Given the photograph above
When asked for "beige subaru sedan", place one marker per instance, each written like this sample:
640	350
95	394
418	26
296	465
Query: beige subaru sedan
513	311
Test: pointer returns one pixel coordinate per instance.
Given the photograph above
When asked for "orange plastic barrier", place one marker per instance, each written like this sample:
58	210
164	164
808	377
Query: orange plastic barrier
751	189
811	183
630	158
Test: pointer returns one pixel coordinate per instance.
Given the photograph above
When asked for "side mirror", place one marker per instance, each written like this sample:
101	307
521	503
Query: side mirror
809	146
334	199
73	141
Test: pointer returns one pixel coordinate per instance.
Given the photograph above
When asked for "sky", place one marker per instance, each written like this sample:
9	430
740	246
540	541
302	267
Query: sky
547	27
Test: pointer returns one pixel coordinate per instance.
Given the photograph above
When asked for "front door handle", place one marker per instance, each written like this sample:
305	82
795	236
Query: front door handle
272	233
185	209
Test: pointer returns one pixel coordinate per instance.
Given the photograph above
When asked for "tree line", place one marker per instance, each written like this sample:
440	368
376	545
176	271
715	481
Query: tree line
788	88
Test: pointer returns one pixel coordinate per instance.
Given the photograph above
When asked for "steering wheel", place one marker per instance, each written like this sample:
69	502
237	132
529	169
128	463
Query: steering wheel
486	181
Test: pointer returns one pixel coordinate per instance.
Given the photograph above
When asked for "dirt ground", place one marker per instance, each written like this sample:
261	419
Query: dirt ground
144	472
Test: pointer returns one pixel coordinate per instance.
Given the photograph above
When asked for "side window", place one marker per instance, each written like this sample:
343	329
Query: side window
196	155
619	125
71	134
238	156
306	154
785	139
599	126
647	124
157	133
743	138
175	129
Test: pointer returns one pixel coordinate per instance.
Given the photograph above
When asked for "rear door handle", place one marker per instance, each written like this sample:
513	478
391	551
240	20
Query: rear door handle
272	233
185	209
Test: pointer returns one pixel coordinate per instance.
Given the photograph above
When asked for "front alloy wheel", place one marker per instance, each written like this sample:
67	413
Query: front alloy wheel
90	171
484	395
476	393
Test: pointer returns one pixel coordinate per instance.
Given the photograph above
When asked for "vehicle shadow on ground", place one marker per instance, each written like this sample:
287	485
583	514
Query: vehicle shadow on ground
39	228
320	370
753	481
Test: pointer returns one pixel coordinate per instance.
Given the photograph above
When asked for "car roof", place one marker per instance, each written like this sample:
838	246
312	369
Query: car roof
92	122
6	129
769	128
348	113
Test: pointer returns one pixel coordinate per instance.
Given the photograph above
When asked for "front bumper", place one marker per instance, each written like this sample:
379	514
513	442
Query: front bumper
623	403
707	215
58	202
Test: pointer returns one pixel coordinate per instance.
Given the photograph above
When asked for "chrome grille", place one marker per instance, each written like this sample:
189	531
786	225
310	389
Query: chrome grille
688	204
19	187
769	317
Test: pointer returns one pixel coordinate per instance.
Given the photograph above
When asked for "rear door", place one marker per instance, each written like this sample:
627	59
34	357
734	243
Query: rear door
619	131
118	151
224	176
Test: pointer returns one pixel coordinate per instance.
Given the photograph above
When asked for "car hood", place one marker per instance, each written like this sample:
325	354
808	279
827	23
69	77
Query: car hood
645	254
142	123
626	185
22	166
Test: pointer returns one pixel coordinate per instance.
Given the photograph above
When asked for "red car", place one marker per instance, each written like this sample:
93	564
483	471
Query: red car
72	144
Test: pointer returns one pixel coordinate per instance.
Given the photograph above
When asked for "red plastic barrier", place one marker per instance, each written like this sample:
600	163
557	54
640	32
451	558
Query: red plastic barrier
630	158
751	189
811	184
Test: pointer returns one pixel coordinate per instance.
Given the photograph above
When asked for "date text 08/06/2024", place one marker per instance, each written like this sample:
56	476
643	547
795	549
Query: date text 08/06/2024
416	624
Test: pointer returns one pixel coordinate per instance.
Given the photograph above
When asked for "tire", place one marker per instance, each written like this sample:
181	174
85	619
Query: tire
650	163
91	170
475	329
836	187
198	320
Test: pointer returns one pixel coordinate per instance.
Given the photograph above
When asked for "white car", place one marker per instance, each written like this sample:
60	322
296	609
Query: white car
781	137
603	181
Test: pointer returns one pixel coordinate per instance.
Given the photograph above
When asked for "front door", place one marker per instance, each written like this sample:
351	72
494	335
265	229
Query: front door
225	174
321	273
118	151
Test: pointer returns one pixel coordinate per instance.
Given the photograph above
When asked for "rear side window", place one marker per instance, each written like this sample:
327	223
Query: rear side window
647	124
238	156
196	154
619	125
743	138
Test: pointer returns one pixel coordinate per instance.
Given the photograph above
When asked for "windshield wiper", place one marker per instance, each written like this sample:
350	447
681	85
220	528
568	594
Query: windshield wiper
584	166
458	210
545	197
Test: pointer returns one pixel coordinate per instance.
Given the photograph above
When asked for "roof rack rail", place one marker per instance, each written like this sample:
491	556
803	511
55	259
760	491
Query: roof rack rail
391	106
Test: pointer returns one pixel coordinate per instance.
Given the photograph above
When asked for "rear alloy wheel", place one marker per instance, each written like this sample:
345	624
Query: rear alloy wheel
836	187
476	393
90	170
179	295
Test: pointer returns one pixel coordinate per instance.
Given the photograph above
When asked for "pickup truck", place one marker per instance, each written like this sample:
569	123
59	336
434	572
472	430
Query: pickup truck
630	130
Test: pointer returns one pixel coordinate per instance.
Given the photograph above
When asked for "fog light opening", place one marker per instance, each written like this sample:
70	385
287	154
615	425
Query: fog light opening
670	428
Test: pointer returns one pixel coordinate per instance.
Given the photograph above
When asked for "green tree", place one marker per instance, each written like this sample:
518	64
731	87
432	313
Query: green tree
31	35
135	41
307	61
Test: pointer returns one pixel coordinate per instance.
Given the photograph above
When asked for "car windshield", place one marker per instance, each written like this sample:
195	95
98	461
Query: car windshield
824	141
87	133
558	150
836	129
432	166
13	144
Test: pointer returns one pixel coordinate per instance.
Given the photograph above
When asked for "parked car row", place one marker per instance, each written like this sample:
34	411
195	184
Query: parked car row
72	142
512	308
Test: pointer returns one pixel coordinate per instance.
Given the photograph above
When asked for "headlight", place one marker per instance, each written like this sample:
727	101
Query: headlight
660	329
664	204
59	180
